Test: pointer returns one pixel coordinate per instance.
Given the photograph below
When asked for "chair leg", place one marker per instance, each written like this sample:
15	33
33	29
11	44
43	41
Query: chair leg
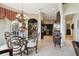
60	45
24	52
54	45
27	51
36	49
20	52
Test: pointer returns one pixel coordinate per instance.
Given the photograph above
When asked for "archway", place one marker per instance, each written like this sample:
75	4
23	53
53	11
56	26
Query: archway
32	27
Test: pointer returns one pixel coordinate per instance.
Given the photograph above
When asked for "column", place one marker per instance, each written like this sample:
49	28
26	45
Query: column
75	27
62	23
39	23
26	29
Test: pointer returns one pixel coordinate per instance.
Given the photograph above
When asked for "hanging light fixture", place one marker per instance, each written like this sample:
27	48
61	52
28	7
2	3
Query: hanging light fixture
21	16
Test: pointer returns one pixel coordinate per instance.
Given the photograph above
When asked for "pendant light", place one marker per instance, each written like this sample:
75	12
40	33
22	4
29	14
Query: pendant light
21	16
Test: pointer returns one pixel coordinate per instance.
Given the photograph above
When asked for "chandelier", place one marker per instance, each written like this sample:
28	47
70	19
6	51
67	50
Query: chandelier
21	16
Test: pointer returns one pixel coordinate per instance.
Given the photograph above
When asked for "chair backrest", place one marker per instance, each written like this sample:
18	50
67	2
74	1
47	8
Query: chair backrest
7	35
17	43
34	39
37	37
14	42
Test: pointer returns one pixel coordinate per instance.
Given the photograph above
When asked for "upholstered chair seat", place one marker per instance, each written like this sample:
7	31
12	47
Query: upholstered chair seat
31	44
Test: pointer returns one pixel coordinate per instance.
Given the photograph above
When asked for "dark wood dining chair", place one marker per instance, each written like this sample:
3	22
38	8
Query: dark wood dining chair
7	36
32	43
15	42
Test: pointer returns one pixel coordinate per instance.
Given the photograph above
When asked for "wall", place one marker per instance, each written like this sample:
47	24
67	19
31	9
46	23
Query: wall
4	27
48	21
76	26
33	16
62	24
73	8
69	20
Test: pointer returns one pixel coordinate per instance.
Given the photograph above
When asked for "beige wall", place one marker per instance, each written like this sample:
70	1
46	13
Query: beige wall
48	21
73	8
76	26
69	20
33	16
4	27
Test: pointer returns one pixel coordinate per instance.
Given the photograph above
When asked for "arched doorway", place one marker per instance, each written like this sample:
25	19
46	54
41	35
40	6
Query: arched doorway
32	27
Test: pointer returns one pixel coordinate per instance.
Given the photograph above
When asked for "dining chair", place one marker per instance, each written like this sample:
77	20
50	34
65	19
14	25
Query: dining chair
15	42
4	48
32	43
7	36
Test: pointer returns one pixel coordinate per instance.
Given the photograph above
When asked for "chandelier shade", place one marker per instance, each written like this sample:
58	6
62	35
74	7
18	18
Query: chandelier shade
22	16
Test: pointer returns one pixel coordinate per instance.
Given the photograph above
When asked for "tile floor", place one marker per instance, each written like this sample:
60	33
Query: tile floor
46	48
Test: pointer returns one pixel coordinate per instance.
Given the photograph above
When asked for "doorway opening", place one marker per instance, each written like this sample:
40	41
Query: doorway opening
69	27
46	28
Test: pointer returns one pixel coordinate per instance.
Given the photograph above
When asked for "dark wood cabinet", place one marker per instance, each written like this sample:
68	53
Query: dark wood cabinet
68	32
46	29
32	27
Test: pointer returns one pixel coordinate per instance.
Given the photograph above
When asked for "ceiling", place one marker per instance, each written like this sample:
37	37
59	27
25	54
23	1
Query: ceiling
69	18
49	9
